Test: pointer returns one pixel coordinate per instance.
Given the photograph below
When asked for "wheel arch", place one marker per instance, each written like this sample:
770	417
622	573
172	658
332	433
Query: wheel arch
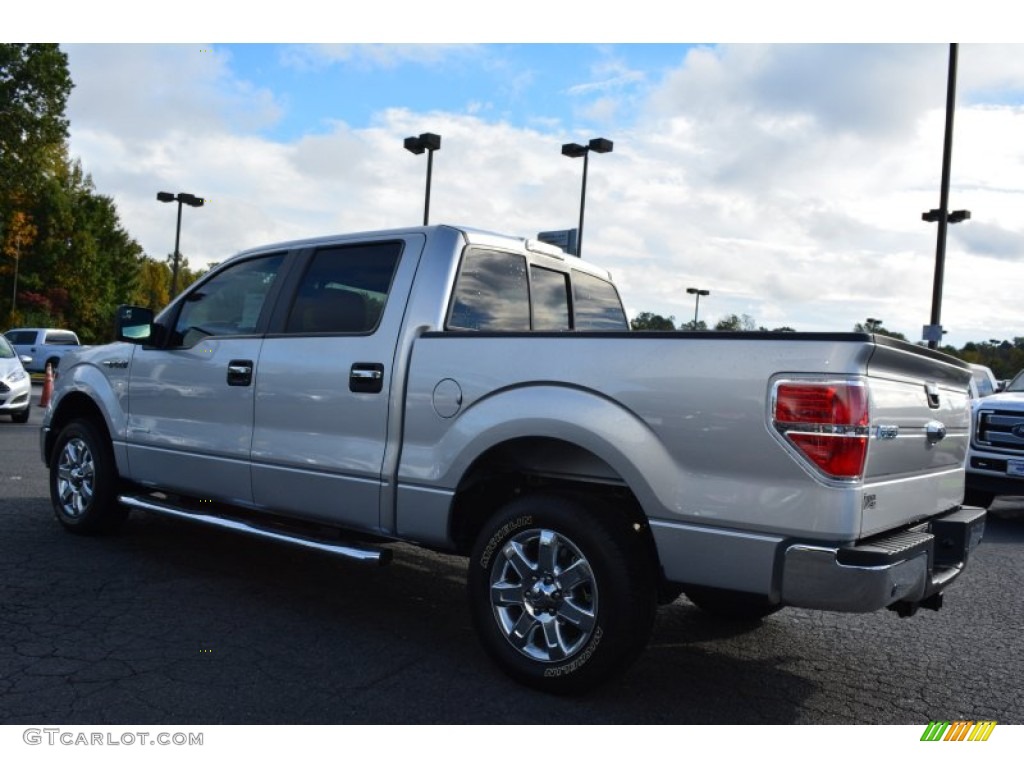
74	405
558	432
542	465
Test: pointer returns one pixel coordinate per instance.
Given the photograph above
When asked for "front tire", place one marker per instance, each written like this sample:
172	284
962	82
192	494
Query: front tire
83	480
562	592
21	417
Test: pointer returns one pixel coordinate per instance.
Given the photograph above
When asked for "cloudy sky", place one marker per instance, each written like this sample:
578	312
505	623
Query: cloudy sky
787	179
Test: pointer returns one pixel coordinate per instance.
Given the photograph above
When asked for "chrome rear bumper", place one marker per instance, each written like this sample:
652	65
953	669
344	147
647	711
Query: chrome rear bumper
902	568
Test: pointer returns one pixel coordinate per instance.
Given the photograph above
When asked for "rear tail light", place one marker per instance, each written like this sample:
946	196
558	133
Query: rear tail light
826	422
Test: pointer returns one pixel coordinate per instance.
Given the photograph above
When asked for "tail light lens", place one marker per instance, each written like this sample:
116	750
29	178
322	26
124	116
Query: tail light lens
826	422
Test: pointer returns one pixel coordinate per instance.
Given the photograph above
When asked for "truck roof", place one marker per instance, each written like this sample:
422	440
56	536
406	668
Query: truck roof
472	236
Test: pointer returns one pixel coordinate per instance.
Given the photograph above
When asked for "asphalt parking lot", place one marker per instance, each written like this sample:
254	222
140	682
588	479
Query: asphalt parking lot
164	623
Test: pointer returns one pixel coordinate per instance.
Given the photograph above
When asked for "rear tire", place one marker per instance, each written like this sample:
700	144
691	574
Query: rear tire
562	592
83	480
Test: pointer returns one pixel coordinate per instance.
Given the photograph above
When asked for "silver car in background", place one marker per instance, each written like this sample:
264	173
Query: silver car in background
15	385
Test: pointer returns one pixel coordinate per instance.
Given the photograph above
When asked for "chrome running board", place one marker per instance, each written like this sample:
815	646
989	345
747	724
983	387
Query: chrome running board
362	553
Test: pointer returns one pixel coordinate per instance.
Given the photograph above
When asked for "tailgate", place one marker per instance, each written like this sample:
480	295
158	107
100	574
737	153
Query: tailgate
920	430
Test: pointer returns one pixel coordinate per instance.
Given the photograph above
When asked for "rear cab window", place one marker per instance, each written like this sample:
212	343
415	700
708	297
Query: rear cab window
499	291
550	293
61	338
492	293
596	304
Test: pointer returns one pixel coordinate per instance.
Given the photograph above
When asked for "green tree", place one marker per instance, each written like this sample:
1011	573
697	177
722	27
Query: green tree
736	323
83	263
648	321
34	89
153	287
871	325
65	259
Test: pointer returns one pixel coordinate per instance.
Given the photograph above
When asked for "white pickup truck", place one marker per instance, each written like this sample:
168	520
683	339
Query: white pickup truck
481	394
43	346
995	461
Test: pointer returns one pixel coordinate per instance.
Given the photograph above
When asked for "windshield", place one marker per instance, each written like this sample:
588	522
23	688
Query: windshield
1017	385
6	351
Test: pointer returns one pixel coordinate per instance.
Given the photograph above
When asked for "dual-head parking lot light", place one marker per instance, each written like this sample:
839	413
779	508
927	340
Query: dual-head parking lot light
186	199
600	146
697	293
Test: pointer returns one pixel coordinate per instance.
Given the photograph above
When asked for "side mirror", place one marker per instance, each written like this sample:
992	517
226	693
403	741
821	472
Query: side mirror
25	359
134	325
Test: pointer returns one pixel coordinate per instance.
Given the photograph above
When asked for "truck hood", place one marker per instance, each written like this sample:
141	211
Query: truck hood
1001	400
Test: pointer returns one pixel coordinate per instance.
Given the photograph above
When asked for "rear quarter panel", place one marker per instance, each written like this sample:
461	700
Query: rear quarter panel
681	418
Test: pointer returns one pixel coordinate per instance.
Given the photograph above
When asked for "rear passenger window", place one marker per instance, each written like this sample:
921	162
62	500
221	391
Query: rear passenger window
550	292
596	304
345	289
491	293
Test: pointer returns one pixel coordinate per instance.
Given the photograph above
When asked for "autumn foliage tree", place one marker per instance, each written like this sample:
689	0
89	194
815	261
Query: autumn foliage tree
66	259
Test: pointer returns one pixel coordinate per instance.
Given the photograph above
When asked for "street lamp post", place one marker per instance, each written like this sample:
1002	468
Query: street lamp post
697	292
942	214
187	199
430	142
600	146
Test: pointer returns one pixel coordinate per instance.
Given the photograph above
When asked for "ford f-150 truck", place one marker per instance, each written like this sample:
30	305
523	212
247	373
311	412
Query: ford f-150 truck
481	394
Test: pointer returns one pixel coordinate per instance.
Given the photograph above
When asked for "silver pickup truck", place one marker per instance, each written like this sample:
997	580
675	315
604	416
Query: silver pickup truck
481	394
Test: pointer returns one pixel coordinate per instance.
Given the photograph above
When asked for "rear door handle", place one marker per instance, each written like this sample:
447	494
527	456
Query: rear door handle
366	377
240	373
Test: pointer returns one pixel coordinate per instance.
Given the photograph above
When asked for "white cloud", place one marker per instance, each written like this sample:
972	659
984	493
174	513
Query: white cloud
373	56
142	91
787	180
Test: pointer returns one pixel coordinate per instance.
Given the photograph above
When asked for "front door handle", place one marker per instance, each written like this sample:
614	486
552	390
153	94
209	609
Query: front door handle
366	377
240	373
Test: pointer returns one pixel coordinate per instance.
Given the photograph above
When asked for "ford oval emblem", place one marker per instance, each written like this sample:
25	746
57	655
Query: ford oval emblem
1018	430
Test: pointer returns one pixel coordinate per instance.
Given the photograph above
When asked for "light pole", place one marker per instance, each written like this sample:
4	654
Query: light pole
942	214
430	142
578	150
697	292
187	199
